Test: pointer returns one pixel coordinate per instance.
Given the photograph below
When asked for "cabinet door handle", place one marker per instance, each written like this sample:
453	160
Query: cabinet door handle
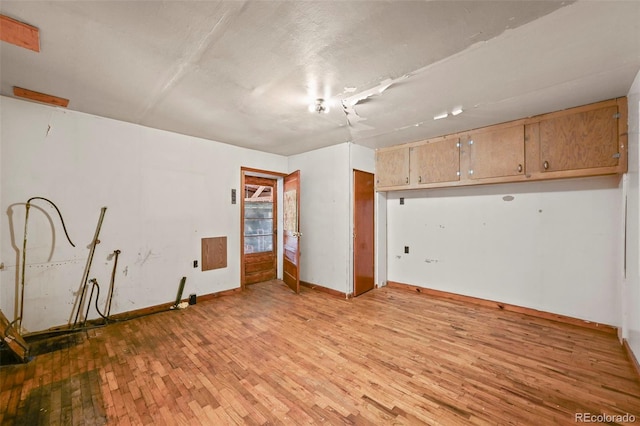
419	179
519	168
406	180
545	165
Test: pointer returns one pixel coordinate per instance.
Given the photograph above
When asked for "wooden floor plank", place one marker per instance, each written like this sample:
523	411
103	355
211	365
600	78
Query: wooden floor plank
268	356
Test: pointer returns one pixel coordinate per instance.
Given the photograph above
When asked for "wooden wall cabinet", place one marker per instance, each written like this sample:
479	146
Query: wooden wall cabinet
585	141
494	152
435	162
580	141
392	167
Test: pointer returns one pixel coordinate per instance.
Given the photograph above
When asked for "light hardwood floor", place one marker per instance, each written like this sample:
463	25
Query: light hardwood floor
267	356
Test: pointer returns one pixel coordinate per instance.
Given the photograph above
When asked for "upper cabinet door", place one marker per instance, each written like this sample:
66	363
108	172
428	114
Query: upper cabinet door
583	140
495	153
392	167
434	162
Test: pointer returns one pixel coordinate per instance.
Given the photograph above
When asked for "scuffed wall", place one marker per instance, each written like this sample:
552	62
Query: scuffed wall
554	246
163	193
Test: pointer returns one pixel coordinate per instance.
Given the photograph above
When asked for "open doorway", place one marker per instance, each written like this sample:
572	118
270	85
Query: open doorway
269	231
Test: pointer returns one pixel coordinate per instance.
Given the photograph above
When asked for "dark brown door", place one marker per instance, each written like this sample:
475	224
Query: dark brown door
292	233
363	232
259	213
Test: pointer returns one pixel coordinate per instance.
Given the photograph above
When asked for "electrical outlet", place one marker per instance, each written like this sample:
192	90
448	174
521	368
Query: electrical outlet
406	249
195	263
402	201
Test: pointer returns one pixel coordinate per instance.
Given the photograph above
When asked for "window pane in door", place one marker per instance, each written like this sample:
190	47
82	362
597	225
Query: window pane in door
258	244
258	227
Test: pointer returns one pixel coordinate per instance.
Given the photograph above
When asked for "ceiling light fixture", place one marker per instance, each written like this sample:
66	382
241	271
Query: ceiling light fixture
441	116
319	106
456	111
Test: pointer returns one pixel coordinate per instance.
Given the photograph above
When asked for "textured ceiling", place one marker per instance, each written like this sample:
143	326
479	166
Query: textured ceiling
244	73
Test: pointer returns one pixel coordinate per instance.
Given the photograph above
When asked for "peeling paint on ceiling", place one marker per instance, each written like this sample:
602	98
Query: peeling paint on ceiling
244	73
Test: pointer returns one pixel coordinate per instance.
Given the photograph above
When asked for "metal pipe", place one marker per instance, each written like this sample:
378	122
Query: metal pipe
112	284
24	264
20	317
87	269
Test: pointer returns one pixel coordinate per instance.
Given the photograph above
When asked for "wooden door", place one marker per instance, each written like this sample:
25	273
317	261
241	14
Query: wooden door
259	213
363	232
392	167
437	161
583	140
496	153
292	233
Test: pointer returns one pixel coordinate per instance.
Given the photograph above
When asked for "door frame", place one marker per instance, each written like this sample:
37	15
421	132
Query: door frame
270	255
248	171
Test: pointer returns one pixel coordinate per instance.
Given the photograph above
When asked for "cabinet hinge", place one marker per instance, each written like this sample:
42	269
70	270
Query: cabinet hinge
616	115
616	155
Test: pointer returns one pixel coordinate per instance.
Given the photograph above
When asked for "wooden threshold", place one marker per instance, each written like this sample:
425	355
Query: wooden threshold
330	291
631	356
40	97
505	307
19	33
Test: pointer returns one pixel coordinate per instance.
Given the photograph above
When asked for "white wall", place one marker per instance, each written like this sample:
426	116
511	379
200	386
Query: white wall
164	192
324	216
381	255
556	246
326	212
362	158
631	290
